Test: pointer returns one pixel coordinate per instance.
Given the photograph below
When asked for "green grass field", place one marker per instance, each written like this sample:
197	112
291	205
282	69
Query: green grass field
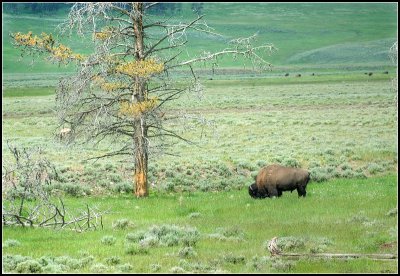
339	123
233	226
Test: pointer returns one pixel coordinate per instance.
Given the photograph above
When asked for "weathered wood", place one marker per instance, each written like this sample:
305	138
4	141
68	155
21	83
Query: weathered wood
339	256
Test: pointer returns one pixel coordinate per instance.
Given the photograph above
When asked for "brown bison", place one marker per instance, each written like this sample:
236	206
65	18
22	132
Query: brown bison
272	180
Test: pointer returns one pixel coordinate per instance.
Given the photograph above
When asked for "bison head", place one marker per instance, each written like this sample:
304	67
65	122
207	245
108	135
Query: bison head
254	193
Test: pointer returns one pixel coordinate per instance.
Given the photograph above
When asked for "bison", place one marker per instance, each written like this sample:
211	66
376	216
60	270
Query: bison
272	180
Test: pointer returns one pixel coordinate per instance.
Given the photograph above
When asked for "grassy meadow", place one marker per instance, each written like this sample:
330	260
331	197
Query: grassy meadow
344	132
334	120
231	231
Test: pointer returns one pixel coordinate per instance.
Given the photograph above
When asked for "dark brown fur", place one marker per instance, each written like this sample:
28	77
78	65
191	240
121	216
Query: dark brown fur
272	180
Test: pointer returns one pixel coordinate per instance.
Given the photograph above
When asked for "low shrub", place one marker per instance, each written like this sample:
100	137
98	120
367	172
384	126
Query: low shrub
282	265
194	215
71	263
165	235
228	234
233	259
155	268
197	267
29	266
98	268
258	263
55	268
177	270
290	162
10	262
114	260
187	252
108	240
136	236
75	190
10	243
319	174
392	212
289	243
123	187
374	168
122	224
135	249
125	268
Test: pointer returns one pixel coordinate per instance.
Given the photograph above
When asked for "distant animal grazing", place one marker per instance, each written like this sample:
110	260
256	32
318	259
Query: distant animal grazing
386	72
64	133
312	74
272	180
370	74
287	74
298	75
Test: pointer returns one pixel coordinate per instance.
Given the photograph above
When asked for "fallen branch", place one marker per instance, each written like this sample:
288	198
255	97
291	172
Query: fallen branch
27	201
55	218
338	256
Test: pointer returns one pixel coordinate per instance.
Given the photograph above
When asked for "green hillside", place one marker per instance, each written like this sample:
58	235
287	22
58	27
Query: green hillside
305	33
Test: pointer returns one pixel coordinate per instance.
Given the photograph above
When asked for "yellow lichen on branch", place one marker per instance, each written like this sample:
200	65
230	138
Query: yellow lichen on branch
140	68
25	39
107	86
138	108
46	43
105	33
111	86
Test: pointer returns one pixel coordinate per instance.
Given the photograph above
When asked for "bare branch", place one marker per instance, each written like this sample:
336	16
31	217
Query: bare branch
39	211
170	33
249	53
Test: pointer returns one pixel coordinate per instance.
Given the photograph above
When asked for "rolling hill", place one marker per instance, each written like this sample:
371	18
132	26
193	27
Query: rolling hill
306	34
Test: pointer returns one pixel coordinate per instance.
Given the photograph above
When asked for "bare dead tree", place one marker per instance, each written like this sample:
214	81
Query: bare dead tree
121	91
26	195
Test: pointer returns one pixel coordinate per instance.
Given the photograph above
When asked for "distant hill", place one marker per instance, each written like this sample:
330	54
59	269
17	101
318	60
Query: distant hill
305	33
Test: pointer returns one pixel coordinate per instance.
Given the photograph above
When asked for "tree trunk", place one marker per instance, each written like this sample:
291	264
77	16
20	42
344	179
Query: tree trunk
141	188
139	95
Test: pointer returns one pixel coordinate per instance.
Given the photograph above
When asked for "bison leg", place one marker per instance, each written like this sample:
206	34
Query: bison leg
279	192
272	191
264	195
301	191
